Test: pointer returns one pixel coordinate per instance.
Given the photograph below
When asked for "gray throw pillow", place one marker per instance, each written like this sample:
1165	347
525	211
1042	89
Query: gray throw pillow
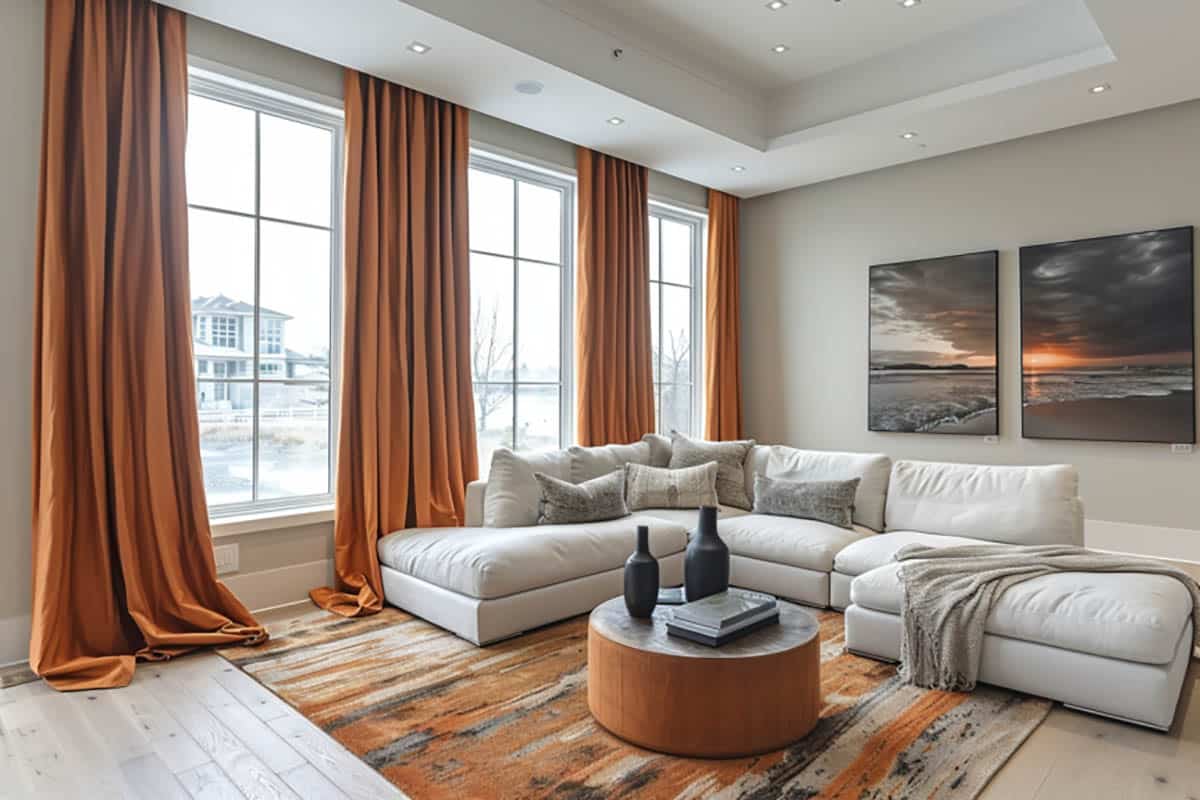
657	487
824	501
731	461
564	503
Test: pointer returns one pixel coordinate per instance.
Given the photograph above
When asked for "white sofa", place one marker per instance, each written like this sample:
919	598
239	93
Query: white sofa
1117	644
1113	644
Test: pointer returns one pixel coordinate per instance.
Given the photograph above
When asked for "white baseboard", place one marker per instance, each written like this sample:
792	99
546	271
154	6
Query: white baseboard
14	639
270	588
1171	544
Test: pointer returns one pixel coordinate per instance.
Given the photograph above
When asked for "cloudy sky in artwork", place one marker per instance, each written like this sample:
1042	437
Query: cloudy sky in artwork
1110	301
935	312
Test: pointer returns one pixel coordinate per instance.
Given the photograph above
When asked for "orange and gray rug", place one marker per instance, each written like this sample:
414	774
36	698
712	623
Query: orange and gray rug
441	718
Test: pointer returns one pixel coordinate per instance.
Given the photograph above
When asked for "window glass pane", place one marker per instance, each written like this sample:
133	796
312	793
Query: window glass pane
293	440
654	248
220	155
540	222
654	330
658	426
676	335
676	411
538	310
221	256
297	170
493	420
537	417
676	252
226	426
491	318
491	212
294	292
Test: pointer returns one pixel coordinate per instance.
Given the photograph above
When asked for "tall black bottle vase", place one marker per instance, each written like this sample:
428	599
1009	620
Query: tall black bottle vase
706	565
641	577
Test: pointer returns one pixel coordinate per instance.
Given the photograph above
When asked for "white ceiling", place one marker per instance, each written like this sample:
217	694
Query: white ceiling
701	92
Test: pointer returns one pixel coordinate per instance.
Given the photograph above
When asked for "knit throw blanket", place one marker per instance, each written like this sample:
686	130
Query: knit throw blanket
949	592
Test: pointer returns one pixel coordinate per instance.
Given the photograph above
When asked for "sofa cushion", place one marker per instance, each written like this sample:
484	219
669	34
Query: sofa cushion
512	495
872	470
690	517
1017	505
595	462
875	551
487	563
1132	616
786	540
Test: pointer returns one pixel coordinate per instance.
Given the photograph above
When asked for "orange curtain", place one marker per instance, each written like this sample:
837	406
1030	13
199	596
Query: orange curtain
122	551
615	383
722	322
407	444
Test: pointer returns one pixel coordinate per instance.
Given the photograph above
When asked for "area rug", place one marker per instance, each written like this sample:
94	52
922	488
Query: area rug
441	718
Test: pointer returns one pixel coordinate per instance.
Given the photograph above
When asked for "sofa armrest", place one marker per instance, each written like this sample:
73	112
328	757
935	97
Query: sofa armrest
475	492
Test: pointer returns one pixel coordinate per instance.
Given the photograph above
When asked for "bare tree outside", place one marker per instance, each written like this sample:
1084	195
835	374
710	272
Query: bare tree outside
491	351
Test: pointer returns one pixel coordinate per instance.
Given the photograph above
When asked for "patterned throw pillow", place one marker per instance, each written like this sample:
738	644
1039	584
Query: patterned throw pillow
656	487
564	503
824	501
731	458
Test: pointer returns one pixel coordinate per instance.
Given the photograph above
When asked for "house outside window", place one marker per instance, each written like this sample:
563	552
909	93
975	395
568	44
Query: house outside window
264	193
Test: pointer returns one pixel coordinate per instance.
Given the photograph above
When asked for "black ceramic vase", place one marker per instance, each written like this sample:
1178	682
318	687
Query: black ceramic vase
706	565
641	577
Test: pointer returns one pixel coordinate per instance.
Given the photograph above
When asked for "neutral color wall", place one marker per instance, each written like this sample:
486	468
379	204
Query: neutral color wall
804	294
20	138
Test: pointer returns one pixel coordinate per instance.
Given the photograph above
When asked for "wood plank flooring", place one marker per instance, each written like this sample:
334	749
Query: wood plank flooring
197	727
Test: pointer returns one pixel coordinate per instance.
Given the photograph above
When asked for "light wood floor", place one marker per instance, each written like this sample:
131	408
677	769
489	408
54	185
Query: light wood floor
198	727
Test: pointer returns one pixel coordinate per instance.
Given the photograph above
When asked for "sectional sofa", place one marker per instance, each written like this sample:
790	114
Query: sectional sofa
1116	644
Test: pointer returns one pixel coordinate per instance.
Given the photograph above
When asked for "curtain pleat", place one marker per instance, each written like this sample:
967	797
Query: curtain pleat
722	322
615	378
122	550
406	447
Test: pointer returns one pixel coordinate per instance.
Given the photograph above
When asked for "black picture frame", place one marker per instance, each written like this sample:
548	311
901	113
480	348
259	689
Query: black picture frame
1024	266
994	267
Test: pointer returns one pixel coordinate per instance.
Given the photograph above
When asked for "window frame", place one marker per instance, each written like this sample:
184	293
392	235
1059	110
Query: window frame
267	97
520	170
698	223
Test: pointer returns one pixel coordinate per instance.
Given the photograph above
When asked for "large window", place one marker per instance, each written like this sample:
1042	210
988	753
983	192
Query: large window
676	292
263	182
521	223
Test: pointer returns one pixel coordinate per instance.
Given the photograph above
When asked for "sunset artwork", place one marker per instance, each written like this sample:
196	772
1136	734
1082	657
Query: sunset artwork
1107	339
933	346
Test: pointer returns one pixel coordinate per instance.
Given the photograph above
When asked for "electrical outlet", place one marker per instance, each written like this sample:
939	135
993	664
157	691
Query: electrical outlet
991	440
1181	449
227	558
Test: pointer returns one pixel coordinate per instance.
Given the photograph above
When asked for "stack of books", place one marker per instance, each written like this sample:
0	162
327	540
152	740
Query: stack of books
723	617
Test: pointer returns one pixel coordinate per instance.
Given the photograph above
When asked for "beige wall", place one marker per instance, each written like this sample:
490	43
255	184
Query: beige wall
804	295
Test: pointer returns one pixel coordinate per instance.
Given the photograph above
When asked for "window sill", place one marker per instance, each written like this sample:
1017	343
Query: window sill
262	521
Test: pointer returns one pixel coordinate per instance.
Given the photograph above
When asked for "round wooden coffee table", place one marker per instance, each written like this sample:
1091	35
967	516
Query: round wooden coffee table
759	693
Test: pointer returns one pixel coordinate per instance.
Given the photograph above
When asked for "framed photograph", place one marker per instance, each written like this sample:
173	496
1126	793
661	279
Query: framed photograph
933	346
1107	339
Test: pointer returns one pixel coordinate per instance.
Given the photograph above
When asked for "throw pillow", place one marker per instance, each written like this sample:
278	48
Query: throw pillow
594	462
731	460
564	503
656	487
824	501
511	499
660	449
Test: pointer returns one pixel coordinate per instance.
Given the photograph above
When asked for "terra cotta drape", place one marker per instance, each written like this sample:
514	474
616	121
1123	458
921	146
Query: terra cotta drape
722	322
122	551
615	383
406	449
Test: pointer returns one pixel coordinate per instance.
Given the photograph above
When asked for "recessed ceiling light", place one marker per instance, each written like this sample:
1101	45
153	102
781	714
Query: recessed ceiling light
529	87
738	168
1100	88
420	48
909	3
909	135
615	121
780	48
775	5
